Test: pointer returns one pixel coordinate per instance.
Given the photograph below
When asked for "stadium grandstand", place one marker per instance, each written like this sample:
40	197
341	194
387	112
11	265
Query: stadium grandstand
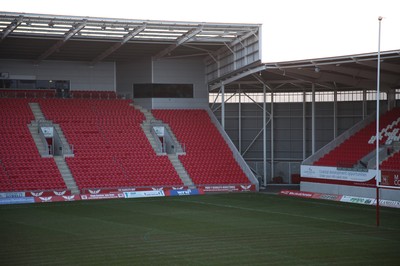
108	104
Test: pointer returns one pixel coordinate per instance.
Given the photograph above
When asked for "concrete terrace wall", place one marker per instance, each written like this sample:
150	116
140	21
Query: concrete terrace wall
187	70
183	70
129	73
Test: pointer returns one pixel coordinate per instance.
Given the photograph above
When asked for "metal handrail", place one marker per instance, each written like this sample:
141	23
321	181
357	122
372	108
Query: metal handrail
4	169
238	157
160	146
67	149
121	166
43	139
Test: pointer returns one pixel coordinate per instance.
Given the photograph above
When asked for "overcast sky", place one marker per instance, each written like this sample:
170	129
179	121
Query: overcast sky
292	30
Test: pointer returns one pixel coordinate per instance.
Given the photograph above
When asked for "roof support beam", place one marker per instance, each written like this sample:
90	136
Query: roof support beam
68	35
319	77
299	77
181	40
242	38
263	82
236	77
11	27
367	74
116	46
384	66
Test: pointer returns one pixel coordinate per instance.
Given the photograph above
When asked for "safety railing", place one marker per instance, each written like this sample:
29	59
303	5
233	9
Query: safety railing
160	146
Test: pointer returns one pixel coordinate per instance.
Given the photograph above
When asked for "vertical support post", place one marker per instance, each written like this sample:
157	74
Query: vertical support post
364	104
272	136
240	121
152	70
223	106
335	130
313	119
378	179
264	135
391	99
304	125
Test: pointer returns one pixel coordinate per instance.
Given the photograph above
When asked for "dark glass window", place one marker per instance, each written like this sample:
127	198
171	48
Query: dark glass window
24	84
145	90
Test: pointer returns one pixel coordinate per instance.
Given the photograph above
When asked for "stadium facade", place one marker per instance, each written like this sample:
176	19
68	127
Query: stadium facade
275	116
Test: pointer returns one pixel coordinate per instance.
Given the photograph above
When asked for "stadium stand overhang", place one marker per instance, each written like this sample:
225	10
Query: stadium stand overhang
231	52
343	73
40	37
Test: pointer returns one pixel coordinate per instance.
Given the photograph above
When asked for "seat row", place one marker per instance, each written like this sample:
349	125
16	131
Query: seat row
208	159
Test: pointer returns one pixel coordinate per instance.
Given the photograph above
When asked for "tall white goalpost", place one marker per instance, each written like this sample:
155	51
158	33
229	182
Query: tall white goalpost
394	182
378	177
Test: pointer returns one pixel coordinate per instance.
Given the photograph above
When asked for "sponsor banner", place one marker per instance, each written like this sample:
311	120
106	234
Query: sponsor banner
220	188
390	203
295	193
332	197
332	173
144	194
48	193
12	195
248	187
358	200
390	179
184	192
369	183
118	190
102	196
57	198
4	201
310	195
228	188
106	191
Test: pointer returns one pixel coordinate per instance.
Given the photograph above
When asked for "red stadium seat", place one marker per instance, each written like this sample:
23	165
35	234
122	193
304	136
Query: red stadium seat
208	159
21	166
356	147
109	143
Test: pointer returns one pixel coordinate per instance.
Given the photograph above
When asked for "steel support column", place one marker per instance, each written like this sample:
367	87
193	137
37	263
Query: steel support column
272	136
264	136
240	122
223	106
364	104
313	119
335	130
304	126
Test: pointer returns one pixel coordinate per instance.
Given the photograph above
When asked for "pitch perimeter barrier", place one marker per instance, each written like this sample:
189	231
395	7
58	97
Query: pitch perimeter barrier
341	198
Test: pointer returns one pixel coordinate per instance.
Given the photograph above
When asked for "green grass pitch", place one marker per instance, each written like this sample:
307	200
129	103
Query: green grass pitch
223	229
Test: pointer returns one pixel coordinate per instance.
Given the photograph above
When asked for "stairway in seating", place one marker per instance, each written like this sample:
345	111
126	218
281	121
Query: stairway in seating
66	174
174	159
59	160
68	152
147	126
187	181
37	112
34	129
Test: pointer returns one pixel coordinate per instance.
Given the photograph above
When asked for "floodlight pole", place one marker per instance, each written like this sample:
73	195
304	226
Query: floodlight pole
377	177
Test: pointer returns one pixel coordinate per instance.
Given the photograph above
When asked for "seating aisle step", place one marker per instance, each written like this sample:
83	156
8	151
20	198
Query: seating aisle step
66	174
